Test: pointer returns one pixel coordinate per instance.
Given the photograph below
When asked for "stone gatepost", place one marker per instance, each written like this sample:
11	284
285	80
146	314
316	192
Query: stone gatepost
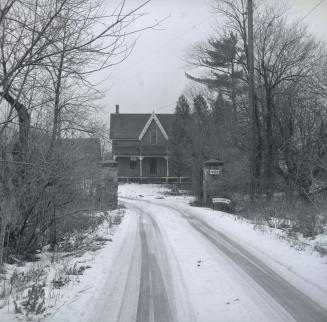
108	185
212	174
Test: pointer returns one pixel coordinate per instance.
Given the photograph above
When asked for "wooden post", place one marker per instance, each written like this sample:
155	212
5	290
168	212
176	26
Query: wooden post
141	167
167	162
2	236
251	94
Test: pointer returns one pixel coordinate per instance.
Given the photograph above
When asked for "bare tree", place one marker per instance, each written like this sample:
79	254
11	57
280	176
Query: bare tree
285	54
48	50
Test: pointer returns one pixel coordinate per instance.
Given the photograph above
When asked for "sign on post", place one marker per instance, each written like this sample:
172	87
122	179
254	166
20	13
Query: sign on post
215	172
221	200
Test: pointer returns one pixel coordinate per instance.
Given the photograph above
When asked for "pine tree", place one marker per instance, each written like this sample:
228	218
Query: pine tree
222	57
180	142
201	150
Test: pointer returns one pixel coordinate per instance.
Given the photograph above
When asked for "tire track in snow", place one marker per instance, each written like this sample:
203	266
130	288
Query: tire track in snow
300	306
154	301
143	306
296	303
174	283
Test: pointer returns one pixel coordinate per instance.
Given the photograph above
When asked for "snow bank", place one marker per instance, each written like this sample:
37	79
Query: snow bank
139	191
68	280
77	301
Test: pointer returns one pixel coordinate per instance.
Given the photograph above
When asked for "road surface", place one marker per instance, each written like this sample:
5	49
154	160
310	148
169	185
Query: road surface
174	266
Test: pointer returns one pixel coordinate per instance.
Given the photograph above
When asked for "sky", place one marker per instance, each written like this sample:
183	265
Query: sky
153	76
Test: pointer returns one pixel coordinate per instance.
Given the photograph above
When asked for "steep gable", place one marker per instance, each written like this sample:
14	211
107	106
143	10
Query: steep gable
153	119
130	126
153	135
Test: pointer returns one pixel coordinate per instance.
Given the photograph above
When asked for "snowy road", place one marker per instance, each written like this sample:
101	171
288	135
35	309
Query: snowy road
174	266
153	302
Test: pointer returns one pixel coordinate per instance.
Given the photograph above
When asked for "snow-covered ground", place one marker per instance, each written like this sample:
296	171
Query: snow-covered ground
79	298
169	261
69	279
296	260
304	269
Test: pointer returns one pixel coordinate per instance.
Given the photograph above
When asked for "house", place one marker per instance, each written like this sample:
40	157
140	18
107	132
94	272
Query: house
140	143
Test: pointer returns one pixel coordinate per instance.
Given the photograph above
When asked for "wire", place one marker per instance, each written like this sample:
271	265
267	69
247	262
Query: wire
185	33
304	17
313	9
165	106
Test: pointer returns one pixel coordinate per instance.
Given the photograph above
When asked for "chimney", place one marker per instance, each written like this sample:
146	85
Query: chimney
117	109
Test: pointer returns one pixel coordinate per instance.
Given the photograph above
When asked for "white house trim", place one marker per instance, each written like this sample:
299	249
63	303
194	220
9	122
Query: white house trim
153	117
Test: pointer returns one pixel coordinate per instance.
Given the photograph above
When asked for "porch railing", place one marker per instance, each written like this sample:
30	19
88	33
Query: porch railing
155	179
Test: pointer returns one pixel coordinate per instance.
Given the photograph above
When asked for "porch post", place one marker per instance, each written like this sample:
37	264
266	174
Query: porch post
167	162
141	168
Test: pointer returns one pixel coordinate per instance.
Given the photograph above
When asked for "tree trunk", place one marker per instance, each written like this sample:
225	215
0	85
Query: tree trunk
21	147
258	147
53	230
56	110
3	224
252	105
269	184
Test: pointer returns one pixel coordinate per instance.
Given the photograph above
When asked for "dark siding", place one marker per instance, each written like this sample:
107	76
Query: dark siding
127	126
161	140
161	164
124	169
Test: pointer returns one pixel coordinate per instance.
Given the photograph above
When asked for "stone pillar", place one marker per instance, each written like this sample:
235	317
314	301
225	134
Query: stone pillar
107	193
212	173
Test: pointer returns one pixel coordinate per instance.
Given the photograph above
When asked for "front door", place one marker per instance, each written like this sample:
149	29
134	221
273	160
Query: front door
153	167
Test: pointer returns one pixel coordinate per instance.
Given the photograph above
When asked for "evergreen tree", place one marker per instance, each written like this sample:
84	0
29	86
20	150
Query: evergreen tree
201	150
200	108
180	142
223	58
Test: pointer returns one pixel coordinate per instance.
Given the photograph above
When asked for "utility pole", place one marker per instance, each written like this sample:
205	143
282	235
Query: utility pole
252	108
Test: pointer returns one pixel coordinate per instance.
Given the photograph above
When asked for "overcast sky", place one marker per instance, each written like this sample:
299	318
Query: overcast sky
152	77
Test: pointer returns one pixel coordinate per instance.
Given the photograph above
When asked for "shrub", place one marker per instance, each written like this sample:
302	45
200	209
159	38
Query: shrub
35	302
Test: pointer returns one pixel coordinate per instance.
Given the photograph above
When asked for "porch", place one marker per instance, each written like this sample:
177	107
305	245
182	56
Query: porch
147	169
143	166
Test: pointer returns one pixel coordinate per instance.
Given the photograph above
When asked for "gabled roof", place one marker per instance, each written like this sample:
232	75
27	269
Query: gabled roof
153	118
130	126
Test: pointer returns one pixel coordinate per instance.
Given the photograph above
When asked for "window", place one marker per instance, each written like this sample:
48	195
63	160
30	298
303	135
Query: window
153	136
133	163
